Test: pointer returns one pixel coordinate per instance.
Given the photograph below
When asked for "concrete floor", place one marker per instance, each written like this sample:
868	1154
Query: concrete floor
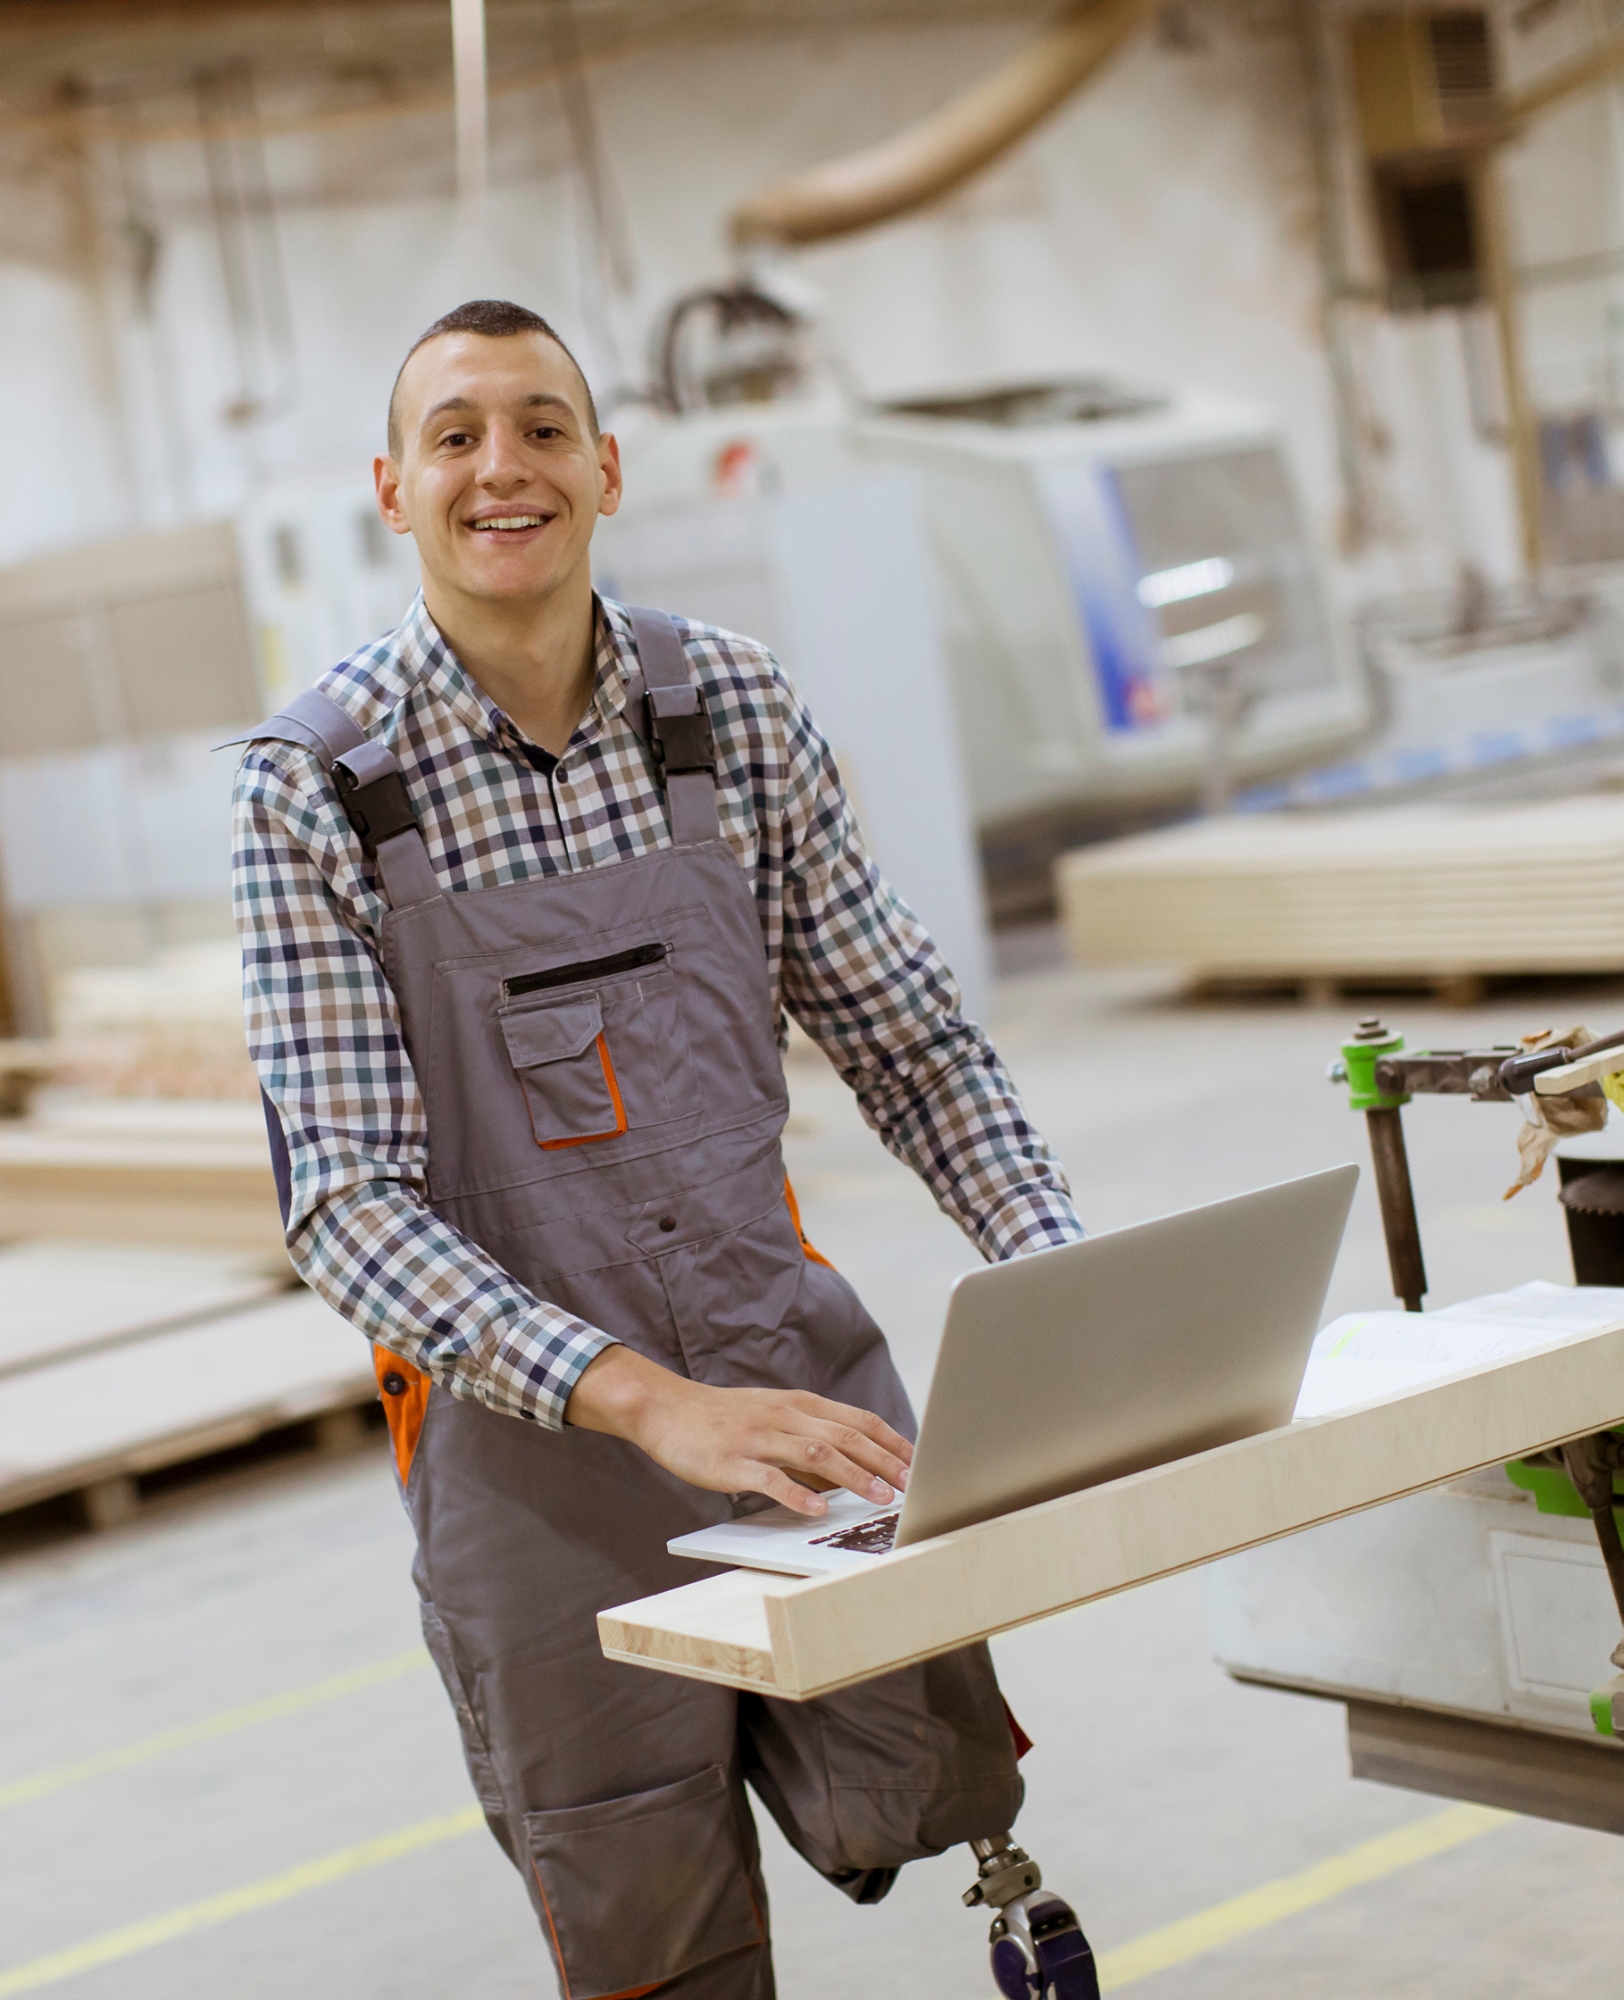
1157	1789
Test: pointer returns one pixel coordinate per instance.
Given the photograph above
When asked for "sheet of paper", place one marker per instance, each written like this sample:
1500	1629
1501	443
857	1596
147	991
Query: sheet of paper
1579	1308
1365	1355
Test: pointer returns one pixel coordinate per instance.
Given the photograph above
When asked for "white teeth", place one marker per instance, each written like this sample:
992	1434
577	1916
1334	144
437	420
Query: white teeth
511	521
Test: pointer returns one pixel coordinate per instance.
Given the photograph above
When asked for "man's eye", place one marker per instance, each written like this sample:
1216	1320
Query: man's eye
546	431
458	437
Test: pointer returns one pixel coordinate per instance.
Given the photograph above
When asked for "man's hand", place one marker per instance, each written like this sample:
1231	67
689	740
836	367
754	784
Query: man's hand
740	1440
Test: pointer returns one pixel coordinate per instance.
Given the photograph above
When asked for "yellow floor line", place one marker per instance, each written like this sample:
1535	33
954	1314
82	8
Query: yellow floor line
113	1945
1158	1951
1176	1943
22	1790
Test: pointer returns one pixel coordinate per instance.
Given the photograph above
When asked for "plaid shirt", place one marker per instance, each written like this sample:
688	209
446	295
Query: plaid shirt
846	958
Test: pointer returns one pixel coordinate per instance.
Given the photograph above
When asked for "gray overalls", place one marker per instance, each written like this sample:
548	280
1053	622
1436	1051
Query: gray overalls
604	1097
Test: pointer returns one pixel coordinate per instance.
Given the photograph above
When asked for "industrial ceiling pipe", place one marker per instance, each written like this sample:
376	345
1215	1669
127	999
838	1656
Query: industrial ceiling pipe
945	149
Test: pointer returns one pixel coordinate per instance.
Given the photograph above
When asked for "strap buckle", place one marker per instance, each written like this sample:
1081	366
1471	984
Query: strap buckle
679	732
377	808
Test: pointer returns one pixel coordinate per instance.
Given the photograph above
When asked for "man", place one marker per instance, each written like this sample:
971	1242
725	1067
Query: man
524	890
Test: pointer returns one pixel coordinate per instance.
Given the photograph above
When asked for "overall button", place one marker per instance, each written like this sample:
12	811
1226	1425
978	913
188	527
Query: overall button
393	1384
668	1223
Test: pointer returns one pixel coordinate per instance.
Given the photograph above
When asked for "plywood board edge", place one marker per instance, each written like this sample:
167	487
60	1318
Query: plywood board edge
827	1632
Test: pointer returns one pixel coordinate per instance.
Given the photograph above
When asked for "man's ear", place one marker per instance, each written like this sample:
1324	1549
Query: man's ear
609	466
386	484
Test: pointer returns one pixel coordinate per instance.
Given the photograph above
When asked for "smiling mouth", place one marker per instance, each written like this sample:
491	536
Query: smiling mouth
509	524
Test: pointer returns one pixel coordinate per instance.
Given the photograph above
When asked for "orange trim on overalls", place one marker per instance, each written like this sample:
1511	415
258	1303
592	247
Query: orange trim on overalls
590	1138
816	1256
403	1411
626	1992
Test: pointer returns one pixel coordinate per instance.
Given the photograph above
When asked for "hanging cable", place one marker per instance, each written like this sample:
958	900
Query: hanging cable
242	206
611	267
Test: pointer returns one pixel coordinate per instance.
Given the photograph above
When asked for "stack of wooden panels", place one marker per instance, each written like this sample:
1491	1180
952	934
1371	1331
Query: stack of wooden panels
116	1362
142	1172
1416	891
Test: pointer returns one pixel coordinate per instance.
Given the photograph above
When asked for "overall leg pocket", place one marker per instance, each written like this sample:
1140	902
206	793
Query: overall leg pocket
639	1890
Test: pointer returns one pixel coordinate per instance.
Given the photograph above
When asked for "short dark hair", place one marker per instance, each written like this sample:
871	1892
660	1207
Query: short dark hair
495	319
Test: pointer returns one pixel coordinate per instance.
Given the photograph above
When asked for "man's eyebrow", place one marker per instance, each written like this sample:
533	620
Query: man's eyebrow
530	402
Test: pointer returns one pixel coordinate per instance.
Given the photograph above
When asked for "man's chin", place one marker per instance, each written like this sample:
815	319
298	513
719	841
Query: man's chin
509	584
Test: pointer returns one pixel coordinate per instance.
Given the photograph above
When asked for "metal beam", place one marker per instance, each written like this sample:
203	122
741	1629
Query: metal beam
1567	80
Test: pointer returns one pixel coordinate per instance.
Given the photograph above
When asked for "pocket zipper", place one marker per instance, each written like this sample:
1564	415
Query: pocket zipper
586	968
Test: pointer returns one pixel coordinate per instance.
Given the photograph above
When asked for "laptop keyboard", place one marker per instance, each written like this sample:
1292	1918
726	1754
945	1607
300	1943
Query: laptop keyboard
868	1538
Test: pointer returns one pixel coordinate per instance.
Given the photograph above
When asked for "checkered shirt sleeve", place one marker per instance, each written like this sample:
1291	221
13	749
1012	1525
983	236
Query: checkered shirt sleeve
846	958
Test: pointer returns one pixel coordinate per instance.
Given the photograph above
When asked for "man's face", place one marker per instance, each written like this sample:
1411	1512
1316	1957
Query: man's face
499	477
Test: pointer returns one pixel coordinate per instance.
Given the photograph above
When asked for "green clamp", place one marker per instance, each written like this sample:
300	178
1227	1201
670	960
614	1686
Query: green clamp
1554	1492
1357	1069
1607	1707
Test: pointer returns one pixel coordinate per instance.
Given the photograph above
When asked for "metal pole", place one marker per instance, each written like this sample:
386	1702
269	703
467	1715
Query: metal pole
473	126
1589	1462
1521	422
1399	1224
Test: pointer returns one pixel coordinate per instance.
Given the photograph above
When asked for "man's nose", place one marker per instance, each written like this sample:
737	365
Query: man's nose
501	461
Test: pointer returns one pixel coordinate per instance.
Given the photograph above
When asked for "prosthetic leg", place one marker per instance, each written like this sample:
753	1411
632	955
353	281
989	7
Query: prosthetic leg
1038	1948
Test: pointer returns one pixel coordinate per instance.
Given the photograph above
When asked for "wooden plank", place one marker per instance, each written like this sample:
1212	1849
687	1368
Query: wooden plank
1571	1076
825	1633
718	1632
178	1395
63	1299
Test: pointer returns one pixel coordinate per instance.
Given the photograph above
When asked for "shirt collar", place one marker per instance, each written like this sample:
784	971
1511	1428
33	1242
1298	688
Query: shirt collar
429	663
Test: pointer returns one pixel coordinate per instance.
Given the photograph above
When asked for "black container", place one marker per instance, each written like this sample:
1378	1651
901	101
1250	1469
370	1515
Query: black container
1592	1198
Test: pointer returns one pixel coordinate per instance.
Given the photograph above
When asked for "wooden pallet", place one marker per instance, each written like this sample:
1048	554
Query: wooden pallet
800	1637
1321	989
98	1390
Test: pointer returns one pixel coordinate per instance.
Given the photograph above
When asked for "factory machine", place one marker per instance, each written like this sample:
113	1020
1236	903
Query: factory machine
1130	613
1473	1630
321	573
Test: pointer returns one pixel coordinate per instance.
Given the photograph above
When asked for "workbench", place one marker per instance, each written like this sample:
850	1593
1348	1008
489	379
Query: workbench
797	1638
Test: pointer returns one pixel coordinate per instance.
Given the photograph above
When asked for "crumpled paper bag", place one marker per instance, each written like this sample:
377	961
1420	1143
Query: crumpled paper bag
1548	1120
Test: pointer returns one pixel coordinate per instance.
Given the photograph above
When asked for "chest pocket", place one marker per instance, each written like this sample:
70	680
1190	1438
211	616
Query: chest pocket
596	1063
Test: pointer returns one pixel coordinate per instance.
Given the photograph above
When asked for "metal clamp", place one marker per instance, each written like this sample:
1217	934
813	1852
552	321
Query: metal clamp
1006	1871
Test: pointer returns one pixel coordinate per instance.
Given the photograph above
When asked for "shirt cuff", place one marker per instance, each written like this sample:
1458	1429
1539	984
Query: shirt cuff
1031	1223
538	1363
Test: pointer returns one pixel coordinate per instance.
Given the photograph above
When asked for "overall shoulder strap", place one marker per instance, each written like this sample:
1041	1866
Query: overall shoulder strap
370	788
679	734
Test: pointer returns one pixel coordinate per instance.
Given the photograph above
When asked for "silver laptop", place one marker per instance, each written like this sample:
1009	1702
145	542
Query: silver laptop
1064	1369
